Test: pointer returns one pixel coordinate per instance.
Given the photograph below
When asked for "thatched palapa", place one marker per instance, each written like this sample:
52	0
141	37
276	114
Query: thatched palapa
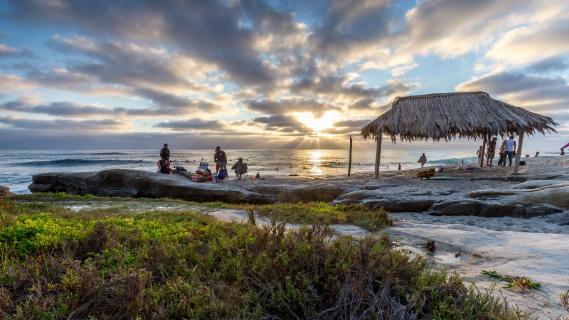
447	116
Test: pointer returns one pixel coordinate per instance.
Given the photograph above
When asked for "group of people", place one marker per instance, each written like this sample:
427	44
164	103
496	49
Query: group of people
506	153
219	157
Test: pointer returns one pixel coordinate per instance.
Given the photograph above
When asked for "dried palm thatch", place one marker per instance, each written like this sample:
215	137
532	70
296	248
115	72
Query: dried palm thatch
447	116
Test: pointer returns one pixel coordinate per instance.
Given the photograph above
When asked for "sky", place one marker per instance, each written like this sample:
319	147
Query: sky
78	74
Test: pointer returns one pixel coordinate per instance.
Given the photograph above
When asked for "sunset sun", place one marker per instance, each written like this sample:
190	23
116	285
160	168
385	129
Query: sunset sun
318	125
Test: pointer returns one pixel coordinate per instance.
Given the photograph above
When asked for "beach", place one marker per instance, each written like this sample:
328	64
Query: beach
479	218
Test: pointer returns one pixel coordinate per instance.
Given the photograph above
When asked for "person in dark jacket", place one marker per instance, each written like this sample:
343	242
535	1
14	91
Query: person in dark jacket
165	152
220	159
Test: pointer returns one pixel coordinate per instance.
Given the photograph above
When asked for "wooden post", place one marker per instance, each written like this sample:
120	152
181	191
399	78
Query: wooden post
378	138
519	152
482	152
350	159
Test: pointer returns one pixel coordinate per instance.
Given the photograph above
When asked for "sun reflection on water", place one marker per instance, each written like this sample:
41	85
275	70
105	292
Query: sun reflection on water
315	161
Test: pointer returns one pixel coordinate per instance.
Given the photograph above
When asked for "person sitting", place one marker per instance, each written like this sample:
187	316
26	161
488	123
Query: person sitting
240	168
164	166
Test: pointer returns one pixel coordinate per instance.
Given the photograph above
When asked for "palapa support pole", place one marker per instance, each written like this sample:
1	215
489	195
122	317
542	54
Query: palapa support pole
350	159
378	138
483	151
519	152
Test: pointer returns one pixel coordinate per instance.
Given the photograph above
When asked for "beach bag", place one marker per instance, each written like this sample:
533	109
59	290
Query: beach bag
222	174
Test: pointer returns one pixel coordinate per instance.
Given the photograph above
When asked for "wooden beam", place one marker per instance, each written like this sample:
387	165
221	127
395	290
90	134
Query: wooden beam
350	159
378	138
519	152
483	151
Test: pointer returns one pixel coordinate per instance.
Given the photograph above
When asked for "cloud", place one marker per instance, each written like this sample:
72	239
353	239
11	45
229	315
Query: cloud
12	82
55	108
209	30
61	125
10	52
554	64
524	45
347	126
286	106
194	124
282	123
549	95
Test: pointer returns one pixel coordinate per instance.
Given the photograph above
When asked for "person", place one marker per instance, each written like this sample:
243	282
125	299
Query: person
422	160
562	151
165	152
502	153
164	163
491	151
240	168
537	154
480	153
399	166
220	159
510	149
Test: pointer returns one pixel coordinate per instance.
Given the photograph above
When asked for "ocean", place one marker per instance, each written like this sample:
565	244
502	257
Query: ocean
18	167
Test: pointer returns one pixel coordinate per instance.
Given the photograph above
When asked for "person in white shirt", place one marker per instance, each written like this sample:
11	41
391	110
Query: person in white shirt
510	149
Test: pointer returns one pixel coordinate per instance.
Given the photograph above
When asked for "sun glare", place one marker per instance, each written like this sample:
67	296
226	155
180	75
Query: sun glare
319	125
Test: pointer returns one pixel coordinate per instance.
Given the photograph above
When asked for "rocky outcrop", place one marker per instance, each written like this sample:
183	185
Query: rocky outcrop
136	183
488	209
374	199
5	192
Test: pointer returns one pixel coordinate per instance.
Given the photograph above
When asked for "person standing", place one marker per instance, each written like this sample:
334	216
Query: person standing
165	152
502	153
491	151
510	149
220	159
422	160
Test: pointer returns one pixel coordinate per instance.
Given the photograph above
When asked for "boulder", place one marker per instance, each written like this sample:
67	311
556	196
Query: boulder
136	183
486	209
557	196
5	192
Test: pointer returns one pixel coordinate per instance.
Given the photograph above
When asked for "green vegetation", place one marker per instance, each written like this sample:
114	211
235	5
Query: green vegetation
325	213
521	283
56	264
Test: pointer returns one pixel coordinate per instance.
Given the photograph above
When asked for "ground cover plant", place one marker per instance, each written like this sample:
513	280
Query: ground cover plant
514	282
58	264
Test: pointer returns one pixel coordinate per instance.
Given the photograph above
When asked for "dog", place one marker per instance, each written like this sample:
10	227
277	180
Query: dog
427	174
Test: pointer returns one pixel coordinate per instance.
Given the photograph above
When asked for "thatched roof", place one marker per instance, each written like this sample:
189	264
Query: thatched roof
446	116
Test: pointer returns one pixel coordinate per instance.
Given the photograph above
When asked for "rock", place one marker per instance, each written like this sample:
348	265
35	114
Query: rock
536	184
401	205
5	192
300	193
491	193
376	199
558	196
485	209
136	183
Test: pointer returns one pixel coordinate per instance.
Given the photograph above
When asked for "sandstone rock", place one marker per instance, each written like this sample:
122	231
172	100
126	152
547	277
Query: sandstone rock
485	209
5	192
376	199
401	205
558	196
136	183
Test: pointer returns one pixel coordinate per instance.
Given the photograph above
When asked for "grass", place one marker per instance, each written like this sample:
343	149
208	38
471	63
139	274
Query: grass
521	283
56	264
325	213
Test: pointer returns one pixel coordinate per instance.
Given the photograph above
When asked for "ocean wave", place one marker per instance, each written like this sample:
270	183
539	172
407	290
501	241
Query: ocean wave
454	160
76	162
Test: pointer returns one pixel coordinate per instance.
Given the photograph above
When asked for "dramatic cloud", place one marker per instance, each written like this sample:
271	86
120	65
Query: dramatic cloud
272	68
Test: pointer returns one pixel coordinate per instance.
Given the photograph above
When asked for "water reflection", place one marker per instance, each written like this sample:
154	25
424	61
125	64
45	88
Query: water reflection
315	161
